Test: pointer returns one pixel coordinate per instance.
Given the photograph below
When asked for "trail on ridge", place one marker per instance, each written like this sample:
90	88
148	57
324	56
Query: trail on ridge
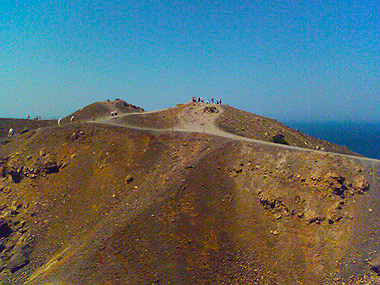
195	118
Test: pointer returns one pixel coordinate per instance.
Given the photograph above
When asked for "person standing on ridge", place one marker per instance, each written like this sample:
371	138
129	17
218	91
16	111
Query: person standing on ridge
10	132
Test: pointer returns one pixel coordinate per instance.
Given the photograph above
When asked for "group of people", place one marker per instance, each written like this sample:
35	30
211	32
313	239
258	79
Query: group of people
114	113
211	101
36	118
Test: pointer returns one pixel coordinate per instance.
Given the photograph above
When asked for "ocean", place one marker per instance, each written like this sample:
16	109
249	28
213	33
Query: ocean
360	137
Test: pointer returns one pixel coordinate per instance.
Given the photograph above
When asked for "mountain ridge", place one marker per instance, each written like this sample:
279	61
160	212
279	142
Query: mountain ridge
100	201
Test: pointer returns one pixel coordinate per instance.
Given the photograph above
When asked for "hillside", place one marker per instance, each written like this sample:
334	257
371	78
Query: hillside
106	204
229	120
101	109
21	124
249	125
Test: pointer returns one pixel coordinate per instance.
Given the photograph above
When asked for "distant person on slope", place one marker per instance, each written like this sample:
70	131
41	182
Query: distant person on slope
72	118
10	132
59	121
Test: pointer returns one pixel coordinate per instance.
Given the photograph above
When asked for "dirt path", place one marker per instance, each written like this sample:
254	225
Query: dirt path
195	120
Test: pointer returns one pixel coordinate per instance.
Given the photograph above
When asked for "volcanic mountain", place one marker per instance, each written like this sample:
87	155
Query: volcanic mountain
194	194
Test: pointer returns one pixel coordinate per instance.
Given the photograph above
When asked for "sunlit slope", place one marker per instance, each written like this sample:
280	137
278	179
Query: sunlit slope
97	204
254	126
101	109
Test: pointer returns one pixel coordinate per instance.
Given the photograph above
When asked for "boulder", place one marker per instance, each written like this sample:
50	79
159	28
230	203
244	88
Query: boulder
361	184
20	258
210	110
128	179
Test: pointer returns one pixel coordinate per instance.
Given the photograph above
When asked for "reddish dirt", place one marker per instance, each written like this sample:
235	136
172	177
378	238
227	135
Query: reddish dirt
96	204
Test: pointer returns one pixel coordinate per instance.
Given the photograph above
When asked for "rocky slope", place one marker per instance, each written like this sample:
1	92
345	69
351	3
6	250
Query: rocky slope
100	204
21	125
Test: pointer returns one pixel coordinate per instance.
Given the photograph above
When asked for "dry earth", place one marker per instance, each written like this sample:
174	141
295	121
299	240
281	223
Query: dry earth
19	125
168	197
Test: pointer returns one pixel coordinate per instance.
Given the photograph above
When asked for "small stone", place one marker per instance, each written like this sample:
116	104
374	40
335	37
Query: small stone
129	178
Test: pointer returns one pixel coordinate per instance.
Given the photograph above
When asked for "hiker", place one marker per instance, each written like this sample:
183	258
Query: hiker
115	113
59	121
194	99
112	113
72	118
207	102
28	117
10	132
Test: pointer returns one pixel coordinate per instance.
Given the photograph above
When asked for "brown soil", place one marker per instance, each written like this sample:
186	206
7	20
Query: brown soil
101	204
161	120
101	109
21	124
249	125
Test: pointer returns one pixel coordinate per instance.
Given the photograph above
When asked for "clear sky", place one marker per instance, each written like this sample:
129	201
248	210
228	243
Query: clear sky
290	60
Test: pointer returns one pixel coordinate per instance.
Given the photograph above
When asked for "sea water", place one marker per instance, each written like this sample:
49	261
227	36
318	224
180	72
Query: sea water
360	137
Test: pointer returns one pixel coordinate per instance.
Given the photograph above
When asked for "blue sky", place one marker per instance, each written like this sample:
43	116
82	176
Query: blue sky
290	60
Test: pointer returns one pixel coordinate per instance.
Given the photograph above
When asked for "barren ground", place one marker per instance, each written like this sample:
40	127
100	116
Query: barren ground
179	200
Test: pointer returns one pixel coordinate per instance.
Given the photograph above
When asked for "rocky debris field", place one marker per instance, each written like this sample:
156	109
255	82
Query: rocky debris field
16	239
